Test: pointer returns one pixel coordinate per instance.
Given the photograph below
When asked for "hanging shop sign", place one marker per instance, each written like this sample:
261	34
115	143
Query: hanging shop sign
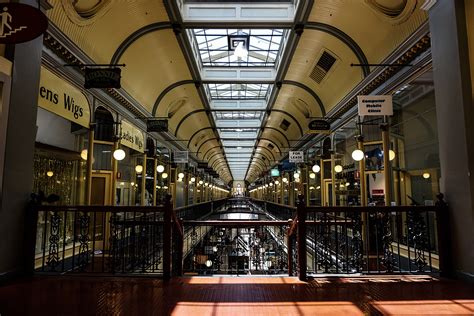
180	156
296	156
102	78
132	137
202	165
375	105
59	97
319	126
20	23
158	126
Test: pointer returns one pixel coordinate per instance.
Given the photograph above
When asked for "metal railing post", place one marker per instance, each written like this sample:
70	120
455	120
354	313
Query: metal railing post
289	241
301	238
444	241
167	238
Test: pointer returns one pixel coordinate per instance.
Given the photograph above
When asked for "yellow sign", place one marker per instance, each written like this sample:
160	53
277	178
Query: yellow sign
61	98
132	137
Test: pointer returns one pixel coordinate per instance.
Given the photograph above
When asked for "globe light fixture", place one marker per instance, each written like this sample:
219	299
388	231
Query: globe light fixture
391	155
193	179
50	173
316	168
312	175
296	175
338	168
426	175
139	168
180	175
164	175
285	180
201	182
277	182
209	263
160	168
270	184
357	155
119	154
84	154
266	185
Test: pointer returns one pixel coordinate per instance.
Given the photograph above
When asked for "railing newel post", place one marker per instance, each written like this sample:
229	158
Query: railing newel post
290	247
179	245
444	241
167	238
301	238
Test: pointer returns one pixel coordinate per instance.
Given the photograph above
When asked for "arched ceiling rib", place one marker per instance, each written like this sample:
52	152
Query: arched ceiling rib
158	78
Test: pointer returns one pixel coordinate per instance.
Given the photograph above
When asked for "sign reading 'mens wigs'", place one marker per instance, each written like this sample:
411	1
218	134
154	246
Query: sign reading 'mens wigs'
20	23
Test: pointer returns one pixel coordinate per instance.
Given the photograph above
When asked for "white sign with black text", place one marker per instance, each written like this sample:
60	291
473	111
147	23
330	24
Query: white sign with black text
296	156
375	105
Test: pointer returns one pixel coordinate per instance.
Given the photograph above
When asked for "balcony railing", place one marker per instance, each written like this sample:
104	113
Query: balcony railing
319	240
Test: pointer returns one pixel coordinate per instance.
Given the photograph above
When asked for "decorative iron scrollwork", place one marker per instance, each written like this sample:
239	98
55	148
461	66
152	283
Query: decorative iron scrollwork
417	238
387	259
53	256
84	221
356	243
114	251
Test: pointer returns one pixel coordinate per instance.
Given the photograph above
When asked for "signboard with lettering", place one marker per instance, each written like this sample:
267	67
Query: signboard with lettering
319	126
20	23
59	97
180	156
132	137
202	165
375	105
296	156
153	125
102	78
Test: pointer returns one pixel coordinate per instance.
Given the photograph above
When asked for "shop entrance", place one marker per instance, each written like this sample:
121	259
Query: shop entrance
100	189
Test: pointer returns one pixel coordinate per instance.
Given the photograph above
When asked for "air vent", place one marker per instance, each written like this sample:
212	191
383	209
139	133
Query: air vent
324	64
270	146
284	125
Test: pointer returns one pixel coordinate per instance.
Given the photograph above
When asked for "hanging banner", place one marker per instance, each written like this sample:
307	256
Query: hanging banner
375	105
132	137
60	97
20	23
296	156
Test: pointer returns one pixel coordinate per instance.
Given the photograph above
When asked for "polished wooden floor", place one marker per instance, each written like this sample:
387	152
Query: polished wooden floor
415	295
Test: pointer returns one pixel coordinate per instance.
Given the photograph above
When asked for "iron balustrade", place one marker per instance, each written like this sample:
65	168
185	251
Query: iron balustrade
103	239
280	211
199	210
235	247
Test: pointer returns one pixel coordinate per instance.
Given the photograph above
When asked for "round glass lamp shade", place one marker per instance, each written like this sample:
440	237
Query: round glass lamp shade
164	175
312	175
84	154
160	168
296	175
426	175
338	168
201	182
139	168
316	168
119	154
180	175
270	184
50	174
209	263
193	179
277	182
357	155
285	180
391	155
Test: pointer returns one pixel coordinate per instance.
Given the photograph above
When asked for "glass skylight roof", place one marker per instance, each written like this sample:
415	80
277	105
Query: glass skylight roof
214	49
239	115
238	91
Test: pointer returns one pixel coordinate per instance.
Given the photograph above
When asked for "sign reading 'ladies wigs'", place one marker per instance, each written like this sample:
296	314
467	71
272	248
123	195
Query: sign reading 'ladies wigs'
20	23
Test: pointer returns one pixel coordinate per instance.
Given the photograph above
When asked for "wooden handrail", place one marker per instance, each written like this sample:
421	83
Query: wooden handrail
100	208
235	223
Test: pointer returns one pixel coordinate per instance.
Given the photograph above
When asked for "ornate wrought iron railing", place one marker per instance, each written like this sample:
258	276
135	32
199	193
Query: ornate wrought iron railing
103	239
279	211
199	210
235	247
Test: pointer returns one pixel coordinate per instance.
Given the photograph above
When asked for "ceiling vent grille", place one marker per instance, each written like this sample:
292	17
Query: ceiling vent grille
284	125
324	64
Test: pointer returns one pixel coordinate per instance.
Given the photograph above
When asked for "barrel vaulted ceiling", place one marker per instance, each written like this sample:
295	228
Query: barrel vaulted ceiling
241	127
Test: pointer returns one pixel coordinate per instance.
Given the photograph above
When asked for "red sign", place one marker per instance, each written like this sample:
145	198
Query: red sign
377	192
20	23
